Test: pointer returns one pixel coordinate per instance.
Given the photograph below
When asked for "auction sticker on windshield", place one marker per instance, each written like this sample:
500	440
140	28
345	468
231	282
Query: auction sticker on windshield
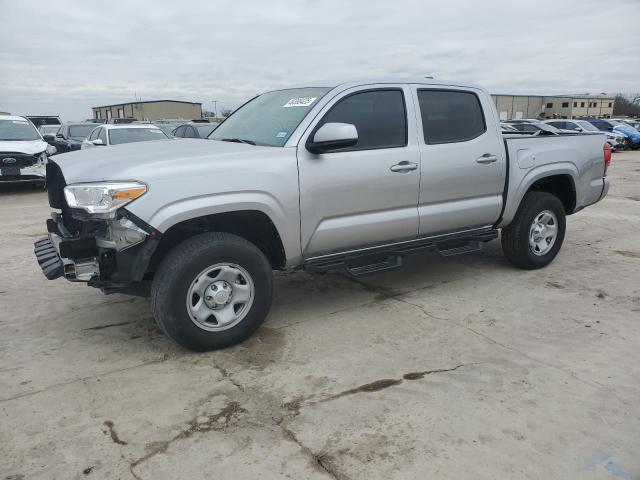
300	102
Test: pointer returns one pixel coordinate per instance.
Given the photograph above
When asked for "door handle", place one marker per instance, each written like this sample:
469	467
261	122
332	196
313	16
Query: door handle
403	167
487	158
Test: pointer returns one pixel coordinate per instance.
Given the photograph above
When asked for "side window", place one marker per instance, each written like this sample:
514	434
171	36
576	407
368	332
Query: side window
558	124
379	116
94	134
571	126
450	116
179	132
102	135
190	132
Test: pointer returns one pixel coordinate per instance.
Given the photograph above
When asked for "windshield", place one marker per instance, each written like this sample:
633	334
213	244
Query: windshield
128	135
270	118
588	126
205	129
18	130
80	132
49	129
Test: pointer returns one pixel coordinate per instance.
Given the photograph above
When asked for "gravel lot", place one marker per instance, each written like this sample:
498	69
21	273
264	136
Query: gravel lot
447	368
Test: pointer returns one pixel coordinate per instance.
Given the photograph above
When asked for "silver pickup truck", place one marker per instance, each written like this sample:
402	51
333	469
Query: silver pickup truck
348	176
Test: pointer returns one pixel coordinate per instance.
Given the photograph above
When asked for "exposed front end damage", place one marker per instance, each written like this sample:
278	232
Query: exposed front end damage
109	253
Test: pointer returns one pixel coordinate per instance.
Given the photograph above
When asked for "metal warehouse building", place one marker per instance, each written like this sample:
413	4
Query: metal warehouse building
150	110
554	106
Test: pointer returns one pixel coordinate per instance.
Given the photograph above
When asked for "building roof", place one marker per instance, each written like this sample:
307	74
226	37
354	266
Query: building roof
147	101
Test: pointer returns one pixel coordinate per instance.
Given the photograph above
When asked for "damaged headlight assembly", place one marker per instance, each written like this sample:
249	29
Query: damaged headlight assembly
102	199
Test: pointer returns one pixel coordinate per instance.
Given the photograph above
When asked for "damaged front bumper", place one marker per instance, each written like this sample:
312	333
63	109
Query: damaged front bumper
109	254
32	173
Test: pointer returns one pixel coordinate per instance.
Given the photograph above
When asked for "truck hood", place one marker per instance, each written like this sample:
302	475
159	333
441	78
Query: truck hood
148	161
30	147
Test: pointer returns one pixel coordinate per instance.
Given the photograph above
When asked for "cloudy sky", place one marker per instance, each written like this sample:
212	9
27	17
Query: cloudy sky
62	57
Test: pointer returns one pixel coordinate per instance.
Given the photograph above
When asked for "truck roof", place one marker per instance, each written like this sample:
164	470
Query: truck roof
356	82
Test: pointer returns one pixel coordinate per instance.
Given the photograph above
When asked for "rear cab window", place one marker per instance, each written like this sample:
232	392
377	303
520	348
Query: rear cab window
450	116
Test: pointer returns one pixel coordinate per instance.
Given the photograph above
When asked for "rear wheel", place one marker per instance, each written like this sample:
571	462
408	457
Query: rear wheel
212	291
536	233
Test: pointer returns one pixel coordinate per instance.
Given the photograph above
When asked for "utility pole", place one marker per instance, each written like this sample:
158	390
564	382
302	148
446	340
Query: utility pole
215	108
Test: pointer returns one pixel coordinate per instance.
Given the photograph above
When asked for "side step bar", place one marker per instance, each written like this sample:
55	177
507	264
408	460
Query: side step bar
390	256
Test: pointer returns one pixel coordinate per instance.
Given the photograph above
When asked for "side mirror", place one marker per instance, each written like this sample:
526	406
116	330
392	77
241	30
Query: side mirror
332	136
49	138
98	142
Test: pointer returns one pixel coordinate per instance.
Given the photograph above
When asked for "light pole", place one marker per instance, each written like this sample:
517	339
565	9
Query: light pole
215	108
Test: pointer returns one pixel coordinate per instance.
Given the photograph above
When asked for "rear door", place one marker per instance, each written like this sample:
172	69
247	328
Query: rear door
462	158
352	197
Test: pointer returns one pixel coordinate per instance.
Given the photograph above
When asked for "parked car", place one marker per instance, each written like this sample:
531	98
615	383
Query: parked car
194	130
108	134
351	176
70	136
632	135
523	120
536	128
617	140
23	152
632	122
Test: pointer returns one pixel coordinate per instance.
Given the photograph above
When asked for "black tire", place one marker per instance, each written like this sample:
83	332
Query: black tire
515	237
179	269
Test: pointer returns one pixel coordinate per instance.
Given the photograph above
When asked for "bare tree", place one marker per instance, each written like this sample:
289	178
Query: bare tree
627	105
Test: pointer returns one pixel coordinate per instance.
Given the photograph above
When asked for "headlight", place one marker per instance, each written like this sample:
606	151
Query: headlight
104	198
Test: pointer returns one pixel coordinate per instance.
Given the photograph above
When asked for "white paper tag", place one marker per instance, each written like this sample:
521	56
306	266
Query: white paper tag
300	102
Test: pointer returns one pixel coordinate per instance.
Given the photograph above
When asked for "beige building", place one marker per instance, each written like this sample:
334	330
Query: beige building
150	110
518	106
554	106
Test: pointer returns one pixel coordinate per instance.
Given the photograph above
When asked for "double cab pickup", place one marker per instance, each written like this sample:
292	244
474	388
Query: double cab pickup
348	176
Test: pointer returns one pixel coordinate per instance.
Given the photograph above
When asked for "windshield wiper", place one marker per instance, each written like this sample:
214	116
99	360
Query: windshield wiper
238	140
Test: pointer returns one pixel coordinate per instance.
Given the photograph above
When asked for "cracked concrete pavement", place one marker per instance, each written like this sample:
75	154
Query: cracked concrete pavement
451	368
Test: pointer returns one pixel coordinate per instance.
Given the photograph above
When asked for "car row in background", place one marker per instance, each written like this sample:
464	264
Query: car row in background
618	141
620	134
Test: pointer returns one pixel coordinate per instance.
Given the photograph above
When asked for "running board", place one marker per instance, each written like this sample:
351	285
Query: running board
472	246
388	263
386	257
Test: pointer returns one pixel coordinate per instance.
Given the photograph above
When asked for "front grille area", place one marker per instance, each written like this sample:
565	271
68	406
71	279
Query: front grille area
18	160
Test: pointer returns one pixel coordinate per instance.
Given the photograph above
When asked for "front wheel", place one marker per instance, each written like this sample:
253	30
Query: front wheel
535	235
212	291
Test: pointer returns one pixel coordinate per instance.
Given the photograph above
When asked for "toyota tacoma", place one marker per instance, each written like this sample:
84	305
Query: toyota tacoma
349	176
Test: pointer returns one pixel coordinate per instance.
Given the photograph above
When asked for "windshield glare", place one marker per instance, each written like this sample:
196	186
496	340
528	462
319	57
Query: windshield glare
270	118
81	132
129	135
18	130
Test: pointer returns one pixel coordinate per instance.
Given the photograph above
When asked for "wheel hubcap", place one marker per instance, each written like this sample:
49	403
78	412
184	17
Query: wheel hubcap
220	297
543	232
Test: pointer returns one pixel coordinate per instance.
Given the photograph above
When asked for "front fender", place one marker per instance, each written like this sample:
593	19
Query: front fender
286	220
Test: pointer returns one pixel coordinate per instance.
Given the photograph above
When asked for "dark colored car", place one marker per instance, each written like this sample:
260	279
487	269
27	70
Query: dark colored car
535	128
194	130
118	121
71	135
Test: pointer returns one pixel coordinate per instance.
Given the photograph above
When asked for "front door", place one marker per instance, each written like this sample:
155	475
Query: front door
358	196
463	164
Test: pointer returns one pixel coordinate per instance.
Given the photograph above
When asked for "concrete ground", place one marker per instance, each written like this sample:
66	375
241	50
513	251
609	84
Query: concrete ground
451	368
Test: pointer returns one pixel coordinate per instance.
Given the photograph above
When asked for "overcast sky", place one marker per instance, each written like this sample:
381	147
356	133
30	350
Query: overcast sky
63	57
